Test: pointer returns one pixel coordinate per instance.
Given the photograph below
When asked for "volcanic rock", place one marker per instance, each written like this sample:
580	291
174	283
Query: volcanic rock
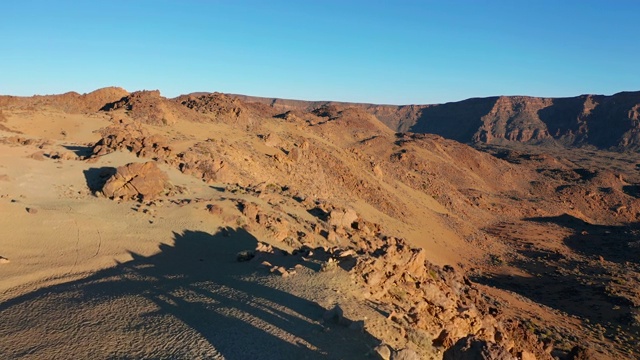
343	218
150	107
131	136
405	354
581	353
383	352
472	348
137	181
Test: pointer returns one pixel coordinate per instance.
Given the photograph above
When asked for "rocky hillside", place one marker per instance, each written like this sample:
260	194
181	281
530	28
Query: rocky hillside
603	122
70	102
524	251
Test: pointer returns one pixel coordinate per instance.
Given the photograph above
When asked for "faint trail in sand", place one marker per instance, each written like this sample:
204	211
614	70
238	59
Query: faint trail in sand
99	244
77	247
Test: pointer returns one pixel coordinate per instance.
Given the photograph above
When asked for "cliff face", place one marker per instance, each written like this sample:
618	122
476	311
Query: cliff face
605	122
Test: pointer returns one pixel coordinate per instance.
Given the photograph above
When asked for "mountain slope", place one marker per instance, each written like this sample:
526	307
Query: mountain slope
604	122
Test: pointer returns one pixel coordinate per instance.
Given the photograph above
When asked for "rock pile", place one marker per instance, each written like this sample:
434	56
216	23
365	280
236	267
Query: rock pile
216	103
202	166
436	309
439	304
472	348
276	225
220	108
131	136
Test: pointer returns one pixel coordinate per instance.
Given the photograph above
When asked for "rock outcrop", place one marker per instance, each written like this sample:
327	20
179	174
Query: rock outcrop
223	108
151	108
137	181
439	304
131	136
342	217
70	102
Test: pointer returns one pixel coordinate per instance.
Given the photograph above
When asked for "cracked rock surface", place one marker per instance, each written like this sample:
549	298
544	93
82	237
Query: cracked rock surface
136	181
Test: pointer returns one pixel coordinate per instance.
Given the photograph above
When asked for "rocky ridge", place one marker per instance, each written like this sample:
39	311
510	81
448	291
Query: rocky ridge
603	122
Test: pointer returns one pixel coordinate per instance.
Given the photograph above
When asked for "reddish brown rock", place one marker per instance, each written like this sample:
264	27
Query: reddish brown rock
38	155
137	181
221	107
405	354
472	348
295	154
272	140
131	136
63	155
342	218
249	209
214	209
581	353
150	107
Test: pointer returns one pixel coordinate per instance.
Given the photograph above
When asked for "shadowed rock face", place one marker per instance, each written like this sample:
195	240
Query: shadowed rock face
605	122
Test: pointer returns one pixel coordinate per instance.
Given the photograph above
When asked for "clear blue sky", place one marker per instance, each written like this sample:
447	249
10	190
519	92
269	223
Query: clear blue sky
396	52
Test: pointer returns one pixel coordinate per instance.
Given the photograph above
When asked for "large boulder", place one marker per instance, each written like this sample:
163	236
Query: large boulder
342	217
137	181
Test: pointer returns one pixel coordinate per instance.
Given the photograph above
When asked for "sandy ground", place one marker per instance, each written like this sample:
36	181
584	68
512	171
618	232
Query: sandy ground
89	277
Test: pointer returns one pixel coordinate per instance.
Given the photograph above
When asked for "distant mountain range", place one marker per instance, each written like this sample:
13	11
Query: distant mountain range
595	121
604	122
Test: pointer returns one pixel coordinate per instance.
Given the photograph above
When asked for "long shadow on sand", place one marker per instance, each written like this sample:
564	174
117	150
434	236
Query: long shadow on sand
594	284
204	304
97	177
84	151
613	243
